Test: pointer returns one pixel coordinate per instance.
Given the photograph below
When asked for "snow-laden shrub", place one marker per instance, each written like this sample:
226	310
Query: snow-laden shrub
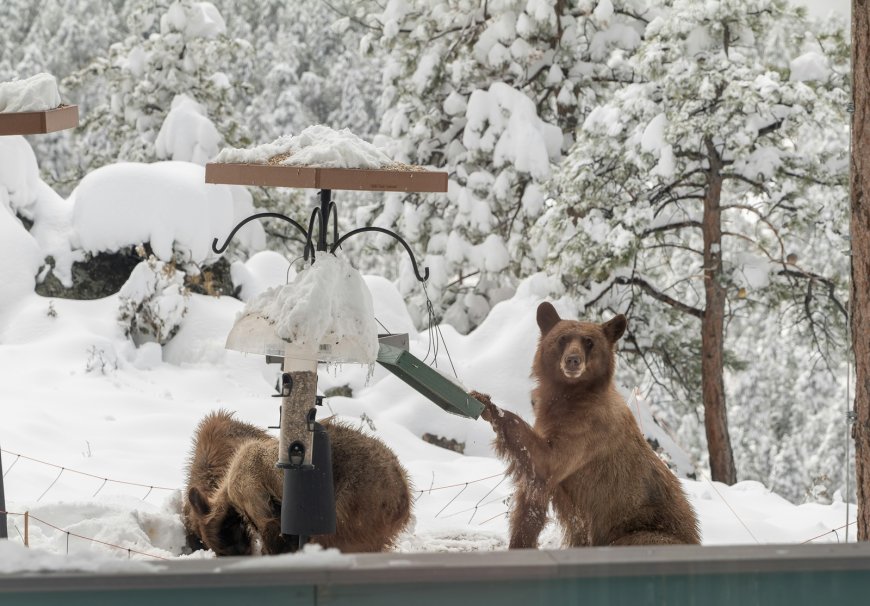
153	302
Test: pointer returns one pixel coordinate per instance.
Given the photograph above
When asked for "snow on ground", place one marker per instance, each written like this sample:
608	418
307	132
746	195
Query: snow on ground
37	93
315	146
75	393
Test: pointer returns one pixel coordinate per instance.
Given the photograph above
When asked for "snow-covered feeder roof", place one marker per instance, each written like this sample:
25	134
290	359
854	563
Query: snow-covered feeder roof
321	158
325	314
33	106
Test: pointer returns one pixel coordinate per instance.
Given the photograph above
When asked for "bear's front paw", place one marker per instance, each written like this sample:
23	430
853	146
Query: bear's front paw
490	410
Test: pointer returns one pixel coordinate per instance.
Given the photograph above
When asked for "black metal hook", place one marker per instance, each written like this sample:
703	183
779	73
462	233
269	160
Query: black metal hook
243	222
394	235
309	241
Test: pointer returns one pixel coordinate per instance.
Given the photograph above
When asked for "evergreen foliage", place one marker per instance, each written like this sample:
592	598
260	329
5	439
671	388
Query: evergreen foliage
733	100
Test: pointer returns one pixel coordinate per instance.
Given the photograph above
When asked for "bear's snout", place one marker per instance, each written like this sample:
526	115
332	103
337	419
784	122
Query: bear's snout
573	363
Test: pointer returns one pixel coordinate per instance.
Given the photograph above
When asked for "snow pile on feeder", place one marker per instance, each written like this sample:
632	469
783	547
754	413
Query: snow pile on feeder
38	93
325	314
315	146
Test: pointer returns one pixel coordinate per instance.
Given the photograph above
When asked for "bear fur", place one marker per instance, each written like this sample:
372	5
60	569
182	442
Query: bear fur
372	497
216	440
585	454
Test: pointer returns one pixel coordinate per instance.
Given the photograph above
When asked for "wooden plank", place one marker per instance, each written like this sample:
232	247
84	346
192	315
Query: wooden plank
326	178
261	174
36	123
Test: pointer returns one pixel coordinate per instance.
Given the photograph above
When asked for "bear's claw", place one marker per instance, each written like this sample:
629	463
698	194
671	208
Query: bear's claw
490	410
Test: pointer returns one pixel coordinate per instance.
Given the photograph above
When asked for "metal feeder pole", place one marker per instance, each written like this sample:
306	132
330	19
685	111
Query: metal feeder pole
304	451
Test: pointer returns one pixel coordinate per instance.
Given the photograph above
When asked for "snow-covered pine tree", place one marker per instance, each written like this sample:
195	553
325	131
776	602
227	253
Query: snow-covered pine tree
714	179
304	68
490	92
14	42
173	48
57	37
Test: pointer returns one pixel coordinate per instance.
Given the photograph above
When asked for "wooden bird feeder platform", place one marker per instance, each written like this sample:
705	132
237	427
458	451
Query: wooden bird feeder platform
312	177
410	369
41	122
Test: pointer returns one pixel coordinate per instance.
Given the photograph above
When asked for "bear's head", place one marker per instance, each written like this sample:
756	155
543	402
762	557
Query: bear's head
576	354
218	525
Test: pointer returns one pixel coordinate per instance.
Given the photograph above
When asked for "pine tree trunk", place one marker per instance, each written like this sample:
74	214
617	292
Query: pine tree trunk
713	330
860	227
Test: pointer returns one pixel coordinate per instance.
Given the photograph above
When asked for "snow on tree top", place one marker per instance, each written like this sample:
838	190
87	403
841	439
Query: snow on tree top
315	146
37	93
196	20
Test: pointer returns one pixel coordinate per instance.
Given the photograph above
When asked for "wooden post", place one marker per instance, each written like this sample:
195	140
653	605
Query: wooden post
27	529
860	232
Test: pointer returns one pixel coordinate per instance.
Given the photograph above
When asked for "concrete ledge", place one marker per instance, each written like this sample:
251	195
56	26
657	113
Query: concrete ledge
764	575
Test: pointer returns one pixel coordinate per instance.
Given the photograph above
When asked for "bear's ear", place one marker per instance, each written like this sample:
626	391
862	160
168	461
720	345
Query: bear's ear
548	317
613	329
198	501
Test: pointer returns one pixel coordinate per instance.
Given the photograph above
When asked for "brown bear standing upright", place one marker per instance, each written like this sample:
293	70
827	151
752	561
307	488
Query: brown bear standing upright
216	440
585	453
372	497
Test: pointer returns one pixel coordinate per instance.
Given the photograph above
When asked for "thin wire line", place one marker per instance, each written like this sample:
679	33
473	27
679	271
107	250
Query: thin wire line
105	480
51	485
431	489
79	536
488	520
438	334
476	505
384	327
456	496
83	473
11	465
728	505
833	530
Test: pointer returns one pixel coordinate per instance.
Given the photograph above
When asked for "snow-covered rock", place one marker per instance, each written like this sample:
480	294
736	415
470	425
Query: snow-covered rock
167	204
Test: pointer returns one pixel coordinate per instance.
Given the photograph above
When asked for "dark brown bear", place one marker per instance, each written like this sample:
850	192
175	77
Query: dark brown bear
585	454
216	440
372	497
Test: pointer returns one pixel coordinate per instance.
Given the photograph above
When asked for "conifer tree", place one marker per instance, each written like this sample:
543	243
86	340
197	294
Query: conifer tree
714	180
173	48
490	92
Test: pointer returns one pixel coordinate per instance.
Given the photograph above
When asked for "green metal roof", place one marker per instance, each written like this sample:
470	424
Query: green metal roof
428	381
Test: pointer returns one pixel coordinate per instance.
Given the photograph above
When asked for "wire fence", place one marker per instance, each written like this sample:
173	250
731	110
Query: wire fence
63	469
419	493
29	516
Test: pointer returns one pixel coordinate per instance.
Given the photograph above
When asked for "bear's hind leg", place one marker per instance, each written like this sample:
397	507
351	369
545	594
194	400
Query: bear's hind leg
528	517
